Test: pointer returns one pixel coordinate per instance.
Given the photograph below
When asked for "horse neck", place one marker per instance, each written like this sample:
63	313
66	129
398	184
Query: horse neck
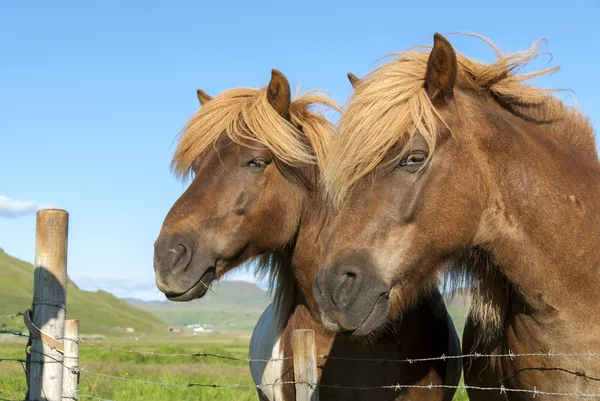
542	222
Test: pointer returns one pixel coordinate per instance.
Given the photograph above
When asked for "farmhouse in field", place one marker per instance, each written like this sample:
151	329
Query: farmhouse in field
175	329
126	329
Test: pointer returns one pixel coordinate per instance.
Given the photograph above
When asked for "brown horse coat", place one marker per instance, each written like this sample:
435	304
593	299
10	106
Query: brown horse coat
256	156
462	168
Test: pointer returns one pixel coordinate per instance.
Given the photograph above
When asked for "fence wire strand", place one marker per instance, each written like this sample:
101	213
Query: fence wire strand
197	355
463	356
510	355
14	333
396	387
11	316
13	360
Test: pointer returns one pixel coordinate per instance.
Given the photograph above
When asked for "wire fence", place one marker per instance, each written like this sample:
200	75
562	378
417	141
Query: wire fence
11	315
510	355
535	392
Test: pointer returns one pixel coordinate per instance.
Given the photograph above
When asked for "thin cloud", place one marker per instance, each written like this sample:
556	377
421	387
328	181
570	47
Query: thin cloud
144	288
12	208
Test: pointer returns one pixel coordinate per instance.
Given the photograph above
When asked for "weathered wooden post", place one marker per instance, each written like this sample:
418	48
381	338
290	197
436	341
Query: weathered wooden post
71	360
305	365
49	305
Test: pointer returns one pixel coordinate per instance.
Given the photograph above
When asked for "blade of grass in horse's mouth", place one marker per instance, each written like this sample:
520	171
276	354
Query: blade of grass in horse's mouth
208	288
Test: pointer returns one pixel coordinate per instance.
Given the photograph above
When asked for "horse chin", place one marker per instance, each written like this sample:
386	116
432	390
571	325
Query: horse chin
373	323
375	320
198	290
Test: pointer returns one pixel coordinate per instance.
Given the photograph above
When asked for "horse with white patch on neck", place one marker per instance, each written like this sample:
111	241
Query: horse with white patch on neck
256	156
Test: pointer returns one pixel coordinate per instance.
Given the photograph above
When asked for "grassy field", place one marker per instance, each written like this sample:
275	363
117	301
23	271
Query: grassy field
174	370
135	366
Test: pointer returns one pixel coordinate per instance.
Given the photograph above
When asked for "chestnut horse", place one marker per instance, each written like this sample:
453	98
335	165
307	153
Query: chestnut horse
446	164
256	156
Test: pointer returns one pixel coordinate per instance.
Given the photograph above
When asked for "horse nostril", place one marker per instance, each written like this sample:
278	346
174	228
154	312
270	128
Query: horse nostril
172	254
346	289
180	252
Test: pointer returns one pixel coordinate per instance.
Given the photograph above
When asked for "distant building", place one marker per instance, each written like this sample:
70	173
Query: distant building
175	329
126	329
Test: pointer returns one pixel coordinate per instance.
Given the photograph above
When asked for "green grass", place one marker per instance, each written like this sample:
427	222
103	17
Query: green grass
135	366
179	370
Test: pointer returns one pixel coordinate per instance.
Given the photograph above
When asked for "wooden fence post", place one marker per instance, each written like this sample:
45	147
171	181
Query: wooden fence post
71	360
305	365
49	303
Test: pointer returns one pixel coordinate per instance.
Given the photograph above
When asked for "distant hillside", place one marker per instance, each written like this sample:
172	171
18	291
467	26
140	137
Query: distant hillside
98	312
236	307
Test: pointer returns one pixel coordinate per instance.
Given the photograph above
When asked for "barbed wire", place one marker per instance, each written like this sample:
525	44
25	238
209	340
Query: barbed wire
13	360
510	355
462	356
180	355
396	387
14	333
11	316
180	385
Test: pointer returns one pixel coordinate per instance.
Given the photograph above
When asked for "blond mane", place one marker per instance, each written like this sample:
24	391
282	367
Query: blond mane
390	105
245	116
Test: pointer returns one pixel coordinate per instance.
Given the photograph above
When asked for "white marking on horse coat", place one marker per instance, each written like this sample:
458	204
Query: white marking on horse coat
265	345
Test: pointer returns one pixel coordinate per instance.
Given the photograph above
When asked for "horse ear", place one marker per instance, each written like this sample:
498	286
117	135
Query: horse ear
354	80
279	93
441	70
203	97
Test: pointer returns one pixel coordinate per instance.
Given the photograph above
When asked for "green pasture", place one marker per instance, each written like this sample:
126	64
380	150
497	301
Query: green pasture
135	366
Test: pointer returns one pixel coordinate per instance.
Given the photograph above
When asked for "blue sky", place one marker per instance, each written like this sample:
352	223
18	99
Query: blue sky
94	93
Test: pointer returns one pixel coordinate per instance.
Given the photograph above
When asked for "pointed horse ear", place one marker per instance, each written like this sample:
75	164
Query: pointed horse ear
279	93
354	80
203	97
441	71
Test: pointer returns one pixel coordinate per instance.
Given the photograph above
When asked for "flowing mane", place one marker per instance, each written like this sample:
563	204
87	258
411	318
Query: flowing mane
390	105
245	114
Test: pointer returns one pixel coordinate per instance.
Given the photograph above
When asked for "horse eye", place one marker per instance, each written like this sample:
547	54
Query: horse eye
259	162
414	159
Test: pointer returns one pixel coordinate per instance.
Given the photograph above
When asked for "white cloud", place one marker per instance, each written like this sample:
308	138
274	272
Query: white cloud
16	208
122	287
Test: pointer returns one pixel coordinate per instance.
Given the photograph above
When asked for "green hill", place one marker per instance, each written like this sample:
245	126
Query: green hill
235	308
238	305
98	312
